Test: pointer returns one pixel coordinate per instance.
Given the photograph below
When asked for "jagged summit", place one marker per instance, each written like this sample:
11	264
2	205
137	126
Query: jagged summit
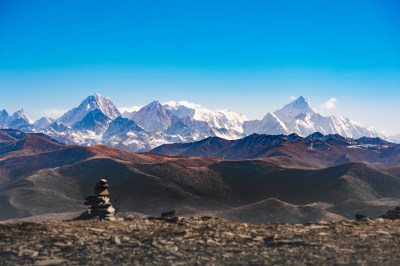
44	122
218	119
154	116
295	108
121	126
301	99
91	103
19	119
95	120
3	115
20	114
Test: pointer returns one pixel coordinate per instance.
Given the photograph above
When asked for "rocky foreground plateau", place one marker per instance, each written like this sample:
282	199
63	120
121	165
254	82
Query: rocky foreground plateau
204	241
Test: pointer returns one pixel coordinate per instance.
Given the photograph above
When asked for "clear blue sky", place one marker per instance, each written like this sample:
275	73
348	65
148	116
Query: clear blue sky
248	56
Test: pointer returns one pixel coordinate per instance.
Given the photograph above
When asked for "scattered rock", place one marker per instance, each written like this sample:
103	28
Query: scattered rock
199	242
50	262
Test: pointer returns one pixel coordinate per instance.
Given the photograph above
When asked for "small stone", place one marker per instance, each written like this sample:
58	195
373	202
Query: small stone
245	236
381	232
258	238
212	242
96	230
230	234
115	240
54	261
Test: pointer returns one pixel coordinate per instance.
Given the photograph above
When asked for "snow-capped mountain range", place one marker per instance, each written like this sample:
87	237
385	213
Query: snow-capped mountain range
98	121
301	118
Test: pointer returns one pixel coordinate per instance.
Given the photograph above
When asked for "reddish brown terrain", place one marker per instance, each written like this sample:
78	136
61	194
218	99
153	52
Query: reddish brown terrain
39	176
315	150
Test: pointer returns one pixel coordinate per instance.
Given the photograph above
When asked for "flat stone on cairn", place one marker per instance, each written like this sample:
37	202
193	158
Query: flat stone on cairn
99	204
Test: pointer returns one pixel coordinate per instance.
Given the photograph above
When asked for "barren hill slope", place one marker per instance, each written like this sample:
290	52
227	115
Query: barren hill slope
316	149
56	178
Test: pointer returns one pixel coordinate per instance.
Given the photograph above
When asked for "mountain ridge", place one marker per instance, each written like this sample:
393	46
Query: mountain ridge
177	122
316	149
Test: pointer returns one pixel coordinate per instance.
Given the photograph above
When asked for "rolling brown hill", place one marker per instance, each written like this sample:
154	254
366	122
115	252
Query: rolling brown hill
5	138
41	177
29	145
394	171
272	210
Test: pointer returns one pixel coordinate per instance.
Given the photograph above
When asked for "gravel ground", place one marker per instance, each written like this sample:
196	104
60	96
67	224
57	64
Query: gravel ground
206	241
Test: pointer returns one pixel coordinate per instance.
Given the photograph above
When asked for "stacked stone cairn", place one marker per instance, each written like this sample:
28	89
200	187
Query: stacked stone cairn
99	204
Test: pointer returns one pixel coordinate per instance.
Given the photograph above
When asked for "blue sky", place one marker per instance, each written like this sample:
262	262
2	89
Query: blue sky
248	56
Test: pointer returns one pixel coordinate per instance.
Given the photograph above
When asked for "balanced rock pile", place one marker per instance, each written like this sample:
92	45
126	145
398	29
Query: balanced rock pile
99	204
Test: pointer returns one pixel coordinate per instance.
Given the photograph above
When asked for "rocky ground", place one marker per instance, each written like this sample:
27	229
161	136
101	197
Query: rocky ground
205	241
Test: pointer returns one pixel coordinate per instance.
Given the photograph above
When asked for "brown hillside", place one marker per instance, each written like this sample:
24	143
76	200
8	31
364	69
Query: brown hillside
32	144
5	138
51	181
274	210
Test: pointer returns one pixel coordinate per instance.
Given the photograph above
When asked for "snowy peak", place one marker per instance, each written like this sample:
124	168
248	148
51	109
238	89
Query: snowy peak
93	102
3	117
154	105
182	108
96	121
217	119
270	124
278	126
20	114
188	126
121	126
59	127
44	122
295	108
19	120
301	118
154	117
301	101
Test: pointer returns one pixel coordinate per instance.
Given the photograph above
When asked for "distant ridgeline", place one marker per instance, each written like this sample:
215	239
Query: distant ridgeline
315	150
98	121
